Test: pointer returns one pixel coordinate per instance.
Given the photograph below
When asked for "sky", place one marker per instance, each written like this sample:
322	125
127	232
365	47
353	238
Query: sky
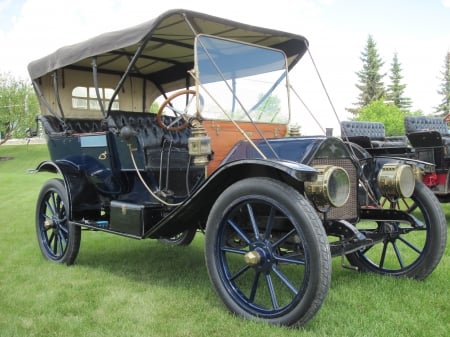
337	30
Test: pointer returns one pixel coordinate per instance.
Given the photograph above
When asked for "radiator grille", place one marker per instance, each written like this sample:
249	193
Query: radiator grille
350	209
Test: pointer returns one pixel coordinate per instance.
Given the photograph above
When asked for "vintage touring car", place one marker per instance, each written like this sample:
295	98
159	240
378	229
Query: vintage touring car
181	124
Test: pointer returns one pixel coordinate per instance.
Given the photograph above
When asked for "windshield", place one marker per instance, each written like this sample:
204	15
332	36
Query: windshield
241	81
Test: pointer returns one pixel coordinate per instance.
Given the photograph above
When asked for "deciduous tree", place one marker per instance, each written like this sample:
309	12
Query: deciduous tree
18	107
387	113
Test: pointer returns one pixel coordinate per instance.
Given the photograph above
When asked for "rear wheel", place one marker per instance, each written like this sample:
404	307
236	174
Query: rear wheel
181	239
58	240
407	249
267	253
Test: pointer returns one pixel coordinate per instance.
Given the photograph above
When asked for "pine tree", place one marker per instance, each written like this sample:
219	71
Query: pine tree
370	84
444	91
396	89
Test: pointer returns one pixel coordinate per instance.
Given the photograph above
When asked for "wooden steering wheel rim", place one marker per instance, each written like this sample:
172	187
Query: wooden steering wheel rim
165	103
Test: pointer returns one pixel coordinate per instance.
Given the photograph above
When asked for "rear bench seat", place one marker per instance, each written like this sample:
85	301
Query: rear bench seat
144	124
53	126
427	133
152	138
370	135
423	123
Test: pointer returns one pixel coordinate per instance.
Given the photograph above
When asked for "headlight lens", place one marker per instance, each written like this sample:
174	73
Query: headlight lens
396	180
332	186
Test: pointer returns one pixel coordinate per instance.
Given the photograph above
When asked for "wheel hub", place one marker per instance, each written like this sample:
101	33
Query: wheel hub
259	256
391	230
54	224
252	258
48	224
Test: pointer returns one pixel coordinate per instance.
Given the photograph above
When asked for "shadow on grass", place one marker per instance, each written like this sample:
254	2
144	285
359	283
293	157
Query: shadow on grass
146	261
153	262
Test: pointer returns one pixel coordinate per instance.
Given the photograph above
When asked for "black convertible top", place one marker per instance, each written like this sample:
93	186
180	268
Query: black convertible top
164	46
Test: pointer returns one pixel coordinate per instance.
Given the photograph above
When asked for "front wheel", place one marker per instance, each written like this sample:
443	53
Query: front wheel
58	240
411	250
267	253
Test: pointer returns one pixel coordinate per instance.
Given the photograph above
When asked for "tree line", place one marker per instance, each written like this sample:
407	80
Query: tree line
18	107
388	104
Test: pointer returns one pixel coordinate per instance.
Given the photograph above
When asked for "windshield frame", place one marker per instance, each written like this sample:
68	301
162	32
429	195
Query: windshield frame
247	67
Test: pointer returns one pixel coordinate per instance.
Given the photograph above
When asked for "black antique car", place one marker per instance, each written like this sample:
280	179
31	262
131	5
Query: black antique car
427	139
180	125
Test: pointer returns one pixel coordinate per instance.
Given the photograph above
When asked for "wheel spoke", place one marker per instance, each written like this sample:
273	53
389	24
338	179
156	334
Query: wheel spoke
62	237
55	203
175	111
269	224
273	296
175	121
253	221
50	207
239	231
254	287
383	253
285	280
64	230
61	243
410	245
399	255
239	272
405	203
284	237
51	238
189	103
234	250
290	260
55	244
411	208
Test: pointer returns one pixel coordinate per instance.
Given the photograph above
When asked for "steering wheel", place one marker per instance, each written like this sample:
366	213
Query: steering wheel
181	108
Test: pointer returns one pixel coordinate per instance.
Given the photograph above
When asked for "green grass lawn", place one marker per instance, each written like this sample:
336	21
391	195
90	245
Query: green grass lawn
125	287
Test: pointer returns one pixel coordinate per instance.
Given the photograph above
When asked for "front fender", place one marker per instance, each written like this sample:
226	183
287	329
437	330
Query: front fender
423	166
196	208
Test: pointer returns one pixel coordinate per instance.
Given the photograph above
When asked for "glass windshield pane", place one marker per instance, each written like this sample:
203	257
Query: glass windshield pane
244	80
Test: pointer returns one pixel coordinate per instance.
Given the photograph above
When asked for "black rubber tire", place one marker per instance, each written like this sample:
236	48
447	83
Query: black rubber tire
276	208
59	241
182	239
416	252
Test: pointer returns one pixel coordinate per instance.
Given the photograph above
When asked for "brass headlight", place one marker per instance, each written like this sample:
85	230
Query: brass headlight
332	186
396	180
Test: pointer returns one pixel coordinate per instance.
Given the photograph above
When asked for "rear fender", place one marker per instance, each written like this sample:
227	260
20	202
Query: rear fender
82	195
